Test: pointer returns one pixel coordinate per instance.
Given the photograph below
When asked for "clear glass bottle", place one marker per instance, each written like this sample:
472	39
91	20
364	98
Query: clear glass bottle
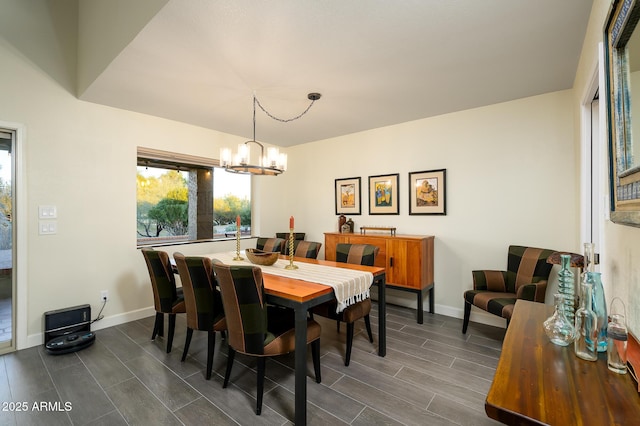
566	286
617	344
599	306
585	342
557	327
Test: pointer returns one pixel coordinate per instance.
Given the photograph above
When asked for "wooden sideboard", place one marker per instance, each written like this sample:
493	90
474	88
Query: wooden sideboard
537	382
408	260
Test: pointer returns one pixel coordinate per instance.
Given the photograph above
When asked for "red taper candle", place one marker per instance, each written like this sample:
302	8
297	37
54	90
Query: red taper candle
238	221
291	222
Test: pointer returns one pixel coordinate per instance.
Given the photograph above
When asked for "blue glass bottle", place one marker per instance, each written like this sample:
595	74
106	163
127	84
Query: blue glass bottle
599	306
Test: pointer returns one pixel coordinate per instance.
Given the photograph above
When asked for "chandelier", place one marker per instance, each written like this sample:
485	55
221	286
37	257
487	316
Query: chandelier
271	164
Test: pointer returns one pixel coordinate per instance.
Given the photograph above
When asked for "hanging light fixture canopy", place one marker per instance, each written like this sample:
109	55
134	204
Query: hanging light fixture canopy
272	164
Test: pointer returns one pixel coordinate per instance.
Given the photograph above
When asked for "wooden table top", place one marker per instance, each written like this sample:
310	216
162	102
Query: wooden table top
537	382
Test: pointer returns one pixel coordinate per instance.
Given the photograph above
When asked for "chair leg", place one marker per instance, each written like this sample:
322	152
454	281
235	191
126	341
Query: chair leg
227	374
261	362
367	323
338	326
187	342
211	340
172	329
158	326
315	354
349	343
467	313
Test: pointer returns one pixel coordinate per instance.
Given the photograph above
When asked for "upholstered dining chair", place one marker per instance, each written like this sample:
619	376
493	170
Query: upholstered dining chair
307	249
254	328
203	302
359	254
167	298
270	244
298	236
496	291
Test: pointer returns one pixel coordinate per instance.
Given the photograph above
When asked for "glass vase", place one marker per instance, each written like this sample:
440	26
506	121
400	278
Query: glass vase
557	327
584	345
599	306
566	286
617	336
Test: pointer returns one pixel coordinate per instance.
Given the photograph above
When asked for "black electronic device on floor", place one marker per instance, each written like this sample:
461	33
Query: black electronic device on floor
68	330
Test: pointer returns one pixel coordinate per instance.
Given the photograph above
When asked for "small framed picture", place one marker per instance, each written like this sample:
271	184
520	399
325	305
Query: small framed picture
428	192
383	194
348	196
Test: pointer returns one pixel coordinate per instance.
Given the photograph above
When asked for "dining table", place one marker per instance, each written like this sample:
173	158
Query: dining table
303	293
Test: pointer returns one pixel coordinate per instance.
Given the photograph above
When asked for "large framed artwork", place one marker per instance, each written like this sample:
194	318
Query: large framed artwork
383	194
348	196
622	38
428	192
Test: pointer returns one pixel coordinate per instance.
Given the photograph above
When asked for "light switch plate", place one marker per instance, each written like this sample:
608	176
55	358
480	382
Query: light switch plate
47	212
48	227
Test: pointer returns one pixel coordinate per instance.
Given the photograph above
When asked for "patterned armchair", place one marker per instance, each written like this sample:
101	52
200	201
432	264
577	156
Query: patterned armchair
497	291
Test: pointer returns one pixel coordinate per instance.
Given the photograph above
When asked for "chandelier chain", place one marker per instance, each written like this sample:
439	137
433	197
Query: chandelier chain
283	120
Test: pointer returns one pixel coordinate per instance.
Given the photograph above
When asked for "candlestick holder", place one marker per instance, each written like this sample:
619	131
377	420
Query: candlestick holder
291	265
238	257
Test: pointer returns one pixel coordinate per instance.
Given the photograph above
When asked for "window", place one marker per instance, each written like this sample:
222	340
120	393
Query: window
183	198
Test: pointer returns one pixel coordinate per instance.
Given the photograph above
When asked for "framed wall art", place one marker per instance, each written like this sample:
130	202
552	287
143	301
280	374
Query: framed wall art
348	196
383	194
428	192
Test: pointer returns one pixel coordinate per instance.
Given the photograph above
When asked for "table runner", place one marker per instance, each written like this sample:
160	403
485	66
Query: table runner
349	286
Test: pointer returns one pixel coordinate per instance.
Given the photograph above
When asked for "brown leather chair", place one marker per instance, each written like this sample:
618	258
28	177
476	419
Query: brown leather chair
167	298
307	249
359	254
254	328
203	302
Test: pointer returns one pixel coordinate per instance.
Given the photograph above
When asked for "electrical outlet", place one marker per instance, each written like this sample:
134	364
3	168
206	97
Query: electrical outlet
104	295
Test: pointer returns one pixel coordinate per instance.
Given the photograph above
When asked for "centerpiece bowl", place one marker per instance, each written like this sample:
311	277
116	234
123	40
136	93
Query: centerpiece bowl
264	258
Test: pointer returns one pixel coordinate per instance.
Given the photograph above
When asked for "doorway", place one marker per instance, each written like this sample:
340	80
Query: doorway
7	285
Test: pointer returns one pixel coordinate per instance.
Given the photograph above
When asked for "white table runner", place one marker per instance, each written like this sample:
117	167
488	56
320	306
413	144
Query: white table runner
349	286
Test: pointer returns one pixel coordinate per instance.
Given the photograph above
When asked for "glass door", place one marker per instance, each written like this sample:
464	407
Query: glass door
7	308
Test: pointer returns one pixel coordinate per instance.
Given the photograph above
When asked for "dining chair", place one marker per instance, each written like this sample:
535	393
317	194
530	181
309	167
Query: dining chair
270	244
167	298
358	254
307	249
254	328
203	302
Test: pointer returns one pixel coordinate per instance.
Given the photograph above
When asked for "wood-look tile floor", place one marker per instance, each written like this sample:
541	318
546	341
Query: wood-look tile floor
432	375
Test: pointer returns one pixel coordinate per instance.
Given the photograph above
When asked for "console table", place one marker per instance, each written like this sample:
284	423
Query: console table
407	259
537	382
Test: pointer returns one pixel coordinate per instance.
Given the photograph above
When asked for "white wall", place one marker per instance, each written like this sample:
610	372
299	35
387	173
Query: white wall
621	244
511	179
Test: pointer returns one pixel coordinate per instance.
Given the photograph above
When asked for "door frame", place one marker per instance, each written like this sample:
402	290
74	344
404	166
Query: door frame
19	256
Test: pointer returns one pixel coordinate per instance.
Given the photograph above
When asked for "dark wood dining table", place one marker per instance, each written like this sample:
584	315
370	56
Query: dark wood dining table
300	296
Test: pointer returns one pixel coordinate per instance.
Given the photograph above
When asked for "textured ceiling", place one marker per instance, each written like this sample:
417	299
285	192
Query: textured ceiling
376	62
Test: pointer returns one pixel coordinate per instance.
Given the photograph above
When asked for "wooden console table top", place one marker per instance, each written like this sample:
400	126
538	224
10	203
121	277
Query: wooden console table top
537	382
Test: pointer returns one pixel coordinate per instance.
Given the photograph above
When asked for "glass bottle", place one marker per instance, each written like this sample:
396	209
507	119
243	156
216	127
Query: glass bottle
557	327
617	344
585	342
566	286
599	306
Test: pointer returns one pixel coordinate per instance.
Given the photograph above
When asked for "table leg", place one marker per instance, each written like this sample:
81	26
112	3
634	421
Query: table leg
301	366
382	317
421	307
